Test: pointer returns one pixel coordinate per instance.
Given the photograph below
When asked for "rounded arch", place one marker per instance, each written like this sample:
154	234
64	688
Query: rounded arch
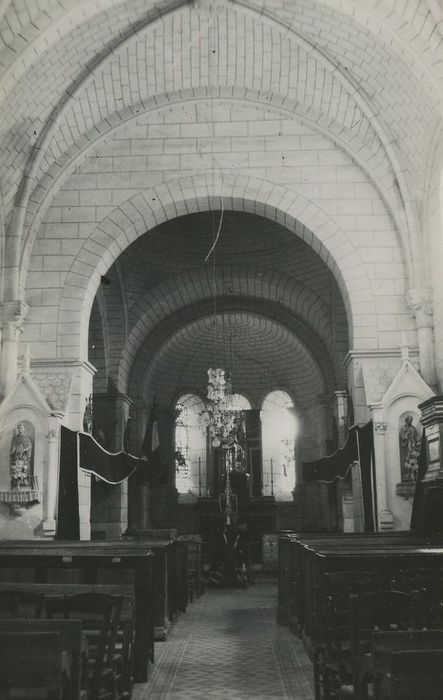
381	172
238	401
277	398
279	433
146	210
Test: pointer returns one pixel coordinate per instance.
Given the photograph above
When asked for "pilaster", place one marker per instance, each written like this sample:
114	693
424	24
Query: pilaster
420	303
12	316
384	513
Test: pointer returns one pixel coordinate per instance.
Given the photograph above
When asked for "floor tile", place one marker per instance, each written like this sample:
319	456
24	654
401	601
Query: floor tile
228	646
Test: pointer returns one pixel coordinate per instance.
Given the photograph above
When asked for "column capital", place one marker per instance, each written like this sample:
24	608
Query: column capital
12	315
419	301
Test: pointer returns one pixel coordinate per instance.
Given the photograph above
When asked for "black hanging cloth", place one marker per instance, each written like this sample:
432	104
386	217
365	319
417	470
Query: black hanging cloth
358	449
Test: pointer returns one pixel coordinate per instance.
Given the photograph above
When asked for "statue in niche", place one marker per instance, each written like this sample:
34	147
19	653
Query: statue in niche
409	450
20	458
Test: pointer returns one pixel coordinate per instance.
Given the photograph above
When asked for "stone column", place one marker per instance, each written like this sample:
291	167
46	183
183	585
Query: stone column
51	477
420	303
323	426
139	499
12	316
385	516
109	504
341	398
81	388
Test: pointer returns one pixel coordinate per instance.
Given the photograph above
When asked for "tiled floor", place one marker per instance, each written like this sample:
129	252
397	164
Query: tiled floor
229	647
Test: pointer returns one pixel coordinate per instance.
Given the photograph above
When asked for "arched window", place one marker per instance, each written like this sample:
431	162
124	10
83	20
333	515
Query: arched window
190	446
279	432
238	402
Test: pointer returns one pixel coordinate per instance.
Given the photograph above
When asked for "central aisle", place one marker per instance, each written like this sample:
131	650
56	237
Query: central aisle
229	647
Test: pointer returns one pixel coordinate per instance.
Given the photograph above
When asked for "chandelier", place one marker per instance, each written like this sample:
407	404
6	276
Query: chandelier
218	416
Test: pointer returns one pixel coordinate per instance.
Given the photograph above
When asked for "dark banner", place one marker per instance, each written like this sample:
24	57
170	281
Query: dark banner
335	466
359	448
418	506
112	467
81	450
68	521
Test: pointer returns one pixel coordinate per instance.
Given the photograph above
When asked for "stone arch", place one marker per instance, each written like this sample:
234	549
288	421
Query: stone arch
380	171
367	115
200	193
195	286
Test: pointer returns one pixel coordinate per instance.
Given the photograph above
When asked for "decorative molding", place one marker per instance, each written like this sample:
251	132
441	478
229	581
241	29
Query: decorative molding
377	353
380	427
420	303
57	363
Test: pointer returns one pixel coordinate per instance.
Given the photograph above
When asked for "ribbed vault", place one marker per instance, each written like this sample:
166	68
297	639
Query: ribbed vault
218	348
261	354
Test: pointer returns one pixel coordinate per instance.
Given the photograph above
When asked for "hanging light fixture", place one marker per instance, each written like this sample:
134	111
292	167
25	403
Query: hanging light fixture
217	414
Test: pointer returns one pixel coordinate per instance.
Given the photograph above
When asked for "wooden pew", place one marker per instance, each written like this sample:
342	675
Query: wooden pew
415	675
132	563
194	555
38	654
125	638
294	574
169	580
306	563
384	644
170	576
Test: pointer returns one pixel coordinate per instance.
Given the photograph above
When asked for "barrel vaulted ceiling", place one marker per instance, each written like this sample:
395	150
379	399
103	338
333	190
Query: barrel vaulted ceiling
74	71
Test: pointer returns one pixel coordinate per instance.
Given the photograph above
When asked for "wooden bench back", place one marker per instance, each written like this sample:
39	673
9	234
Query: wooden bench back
417	674
33	653
50	590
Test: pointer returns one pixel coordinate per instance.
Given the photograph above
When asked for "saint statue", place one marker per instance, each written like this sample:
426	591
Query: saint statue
20	458
409	450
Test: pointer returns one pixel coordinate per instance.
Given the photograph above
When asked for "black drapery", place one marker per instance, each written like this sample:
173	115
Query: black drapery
418	505
151	471
359	448
68	520
112	467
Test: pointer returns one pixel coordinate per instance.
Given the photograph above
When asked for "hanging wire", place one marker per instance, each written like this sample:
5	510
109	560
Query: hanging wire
218	232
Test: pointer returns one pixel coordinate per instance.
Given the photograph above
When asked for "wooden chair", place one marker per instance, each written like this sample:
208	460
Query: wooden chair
430	592
99	614
416	675
331	631
380	610
125	634
71	640
384	644
33	665
20	604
